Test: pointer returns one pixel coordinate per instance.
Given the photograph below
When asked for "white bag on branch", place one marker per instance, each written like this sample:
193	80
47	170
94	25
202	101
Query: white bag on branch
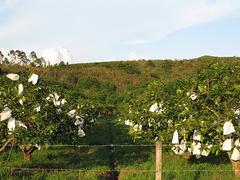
5	114
20	101
227	145
228	128
193	96
205	152
71	113
37	109
189	150
13	77
20	124
237	112
78	123
237	143
63	101
137	127
13	124
56	103
20	89
235	155
128	122
176	149
38	147
56	96
81	133
156	107
33	79
196	136
182	147
196	149
175	139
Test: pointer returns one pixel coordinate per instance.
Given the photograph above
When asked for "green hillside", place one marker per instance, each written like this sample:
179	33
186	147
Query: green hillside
108	81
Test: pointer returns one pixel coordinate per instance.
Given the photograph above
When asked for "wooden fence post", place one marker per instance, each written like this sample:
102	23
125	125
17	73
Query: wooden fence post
158	160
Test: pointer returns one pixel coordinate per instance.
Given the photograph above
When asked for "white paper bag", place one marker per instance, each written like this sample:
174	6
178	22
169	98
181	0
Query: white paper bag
81	133
175	139
196	149
11	124
235	155
33	79
175	149
228	128
237	143
13	77
156	107
182	147
20	124
20	89
196	136
5	114
78	123
72	113
227	145
193	96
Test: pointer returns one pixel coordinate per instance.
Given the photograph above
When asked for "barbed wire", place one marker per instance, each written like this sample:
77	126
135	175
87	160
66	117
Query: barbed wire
16	169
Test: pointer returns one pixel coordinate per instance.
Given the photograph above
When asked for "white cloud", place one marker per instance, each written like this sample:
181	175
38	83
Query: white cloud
187	14
132	56
56	55
205	11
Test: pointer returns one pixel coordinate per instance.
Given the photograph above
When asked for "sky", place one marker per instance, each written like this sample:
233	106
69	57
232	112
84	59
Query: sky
107	30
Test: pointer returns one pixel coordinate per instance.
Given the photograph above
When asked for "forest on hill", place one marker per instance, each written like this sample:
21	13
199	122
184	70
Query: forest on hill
109	82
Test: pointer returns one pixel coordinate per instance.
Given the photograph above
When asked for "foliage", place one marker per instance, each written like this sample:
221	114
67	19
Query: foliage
217	100
199	104
39	115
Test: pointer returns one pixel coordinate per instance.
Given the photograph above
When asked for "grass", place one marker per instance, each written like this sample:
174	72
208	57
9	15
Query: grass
123	160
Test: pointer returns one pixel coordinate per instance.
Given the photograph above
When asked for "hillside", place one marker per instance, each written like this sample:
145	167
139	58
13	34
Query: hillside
108	81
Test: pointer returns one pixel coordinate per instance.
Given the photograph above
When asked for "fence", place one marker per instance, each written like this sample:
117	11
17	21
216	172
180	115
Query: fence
113	161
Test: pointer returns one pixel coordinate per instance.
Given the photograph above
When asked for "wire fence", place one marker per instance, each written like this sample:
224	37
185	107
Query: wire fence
110	158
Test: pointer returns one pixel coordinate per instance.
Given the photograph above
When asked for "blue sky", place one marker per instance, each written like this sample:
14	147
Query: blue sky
101	30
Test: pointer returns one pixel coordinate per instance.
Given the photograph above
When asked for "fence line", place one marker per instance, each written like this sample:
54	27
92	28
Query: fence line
16	169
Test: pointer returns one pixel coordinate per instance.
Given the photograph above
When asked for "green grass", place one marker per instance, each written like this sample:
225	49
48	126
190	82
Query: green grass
128	162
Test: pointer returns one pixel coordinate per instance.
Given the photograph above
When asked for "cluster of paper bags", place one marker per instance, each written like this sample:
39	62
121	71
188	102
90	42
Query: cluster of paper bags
6	114
196	146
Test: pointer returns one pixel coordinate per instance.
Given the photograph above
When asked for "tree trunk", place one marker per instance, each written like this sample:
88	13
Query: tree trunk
27	151
158	160
26	156
236	168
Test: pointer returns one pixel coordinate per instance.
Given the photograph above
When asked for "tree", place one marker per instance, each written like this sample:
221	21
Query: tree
149	117
199	114
36	61
213	112
18	57
33	113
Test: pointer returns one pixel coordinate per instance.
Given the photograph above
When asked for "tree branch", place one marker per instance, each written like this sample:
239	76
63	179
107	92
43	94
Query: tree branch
5	144
213	111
